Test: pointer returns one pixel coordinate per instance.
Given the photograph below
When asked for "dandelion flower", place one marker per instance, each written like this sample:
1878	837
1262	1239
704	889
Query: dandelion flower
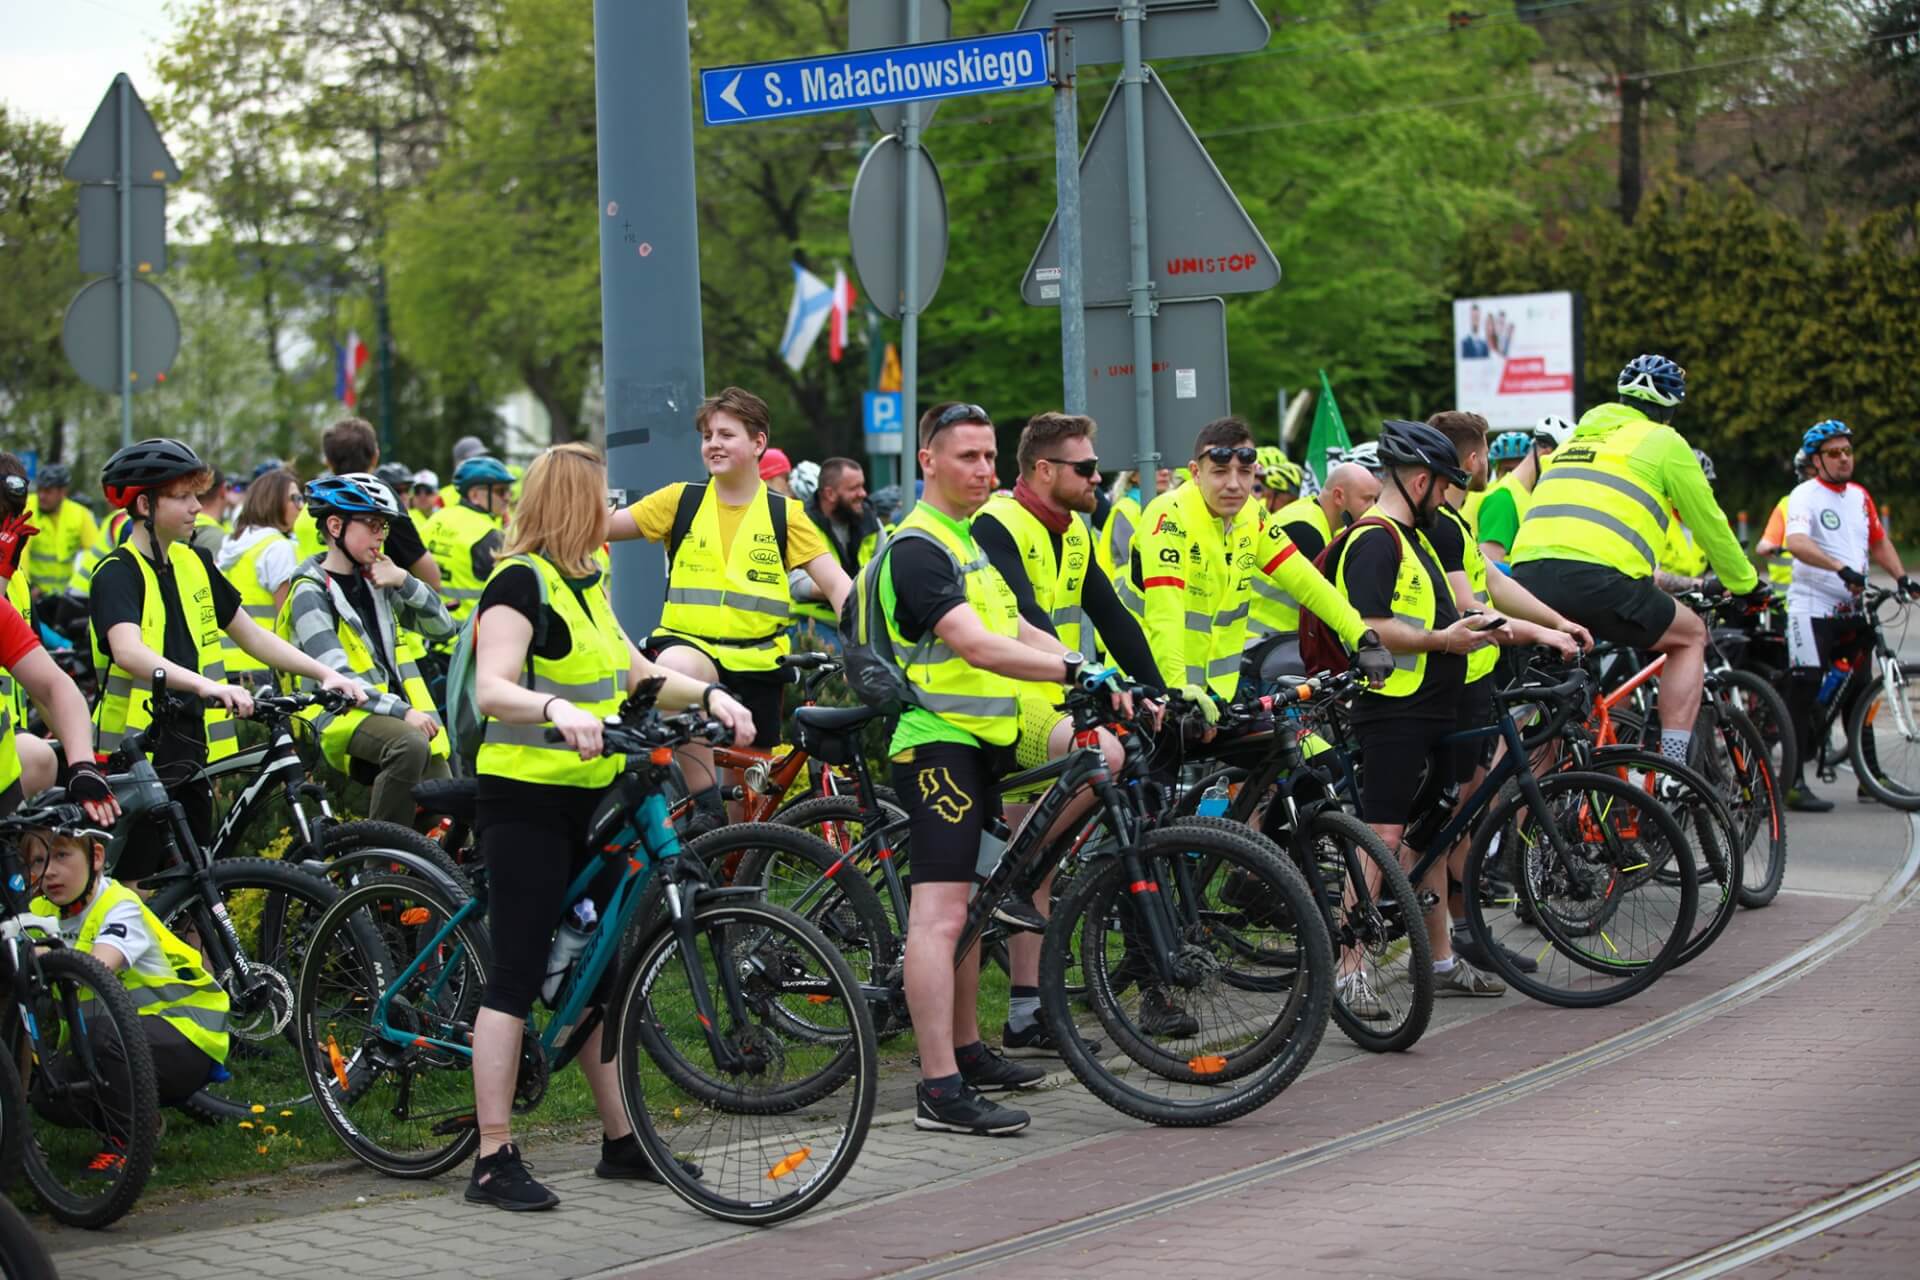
246	1124
259	1109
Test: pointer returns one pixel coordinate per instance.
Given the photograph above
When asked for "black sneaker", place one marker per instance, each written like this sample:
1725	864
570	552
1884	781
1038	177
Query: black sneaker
697	822
1801	800
967	1112
1471	951
502	1181
1018	913
989	1072
1035	1041
1162	1019
623	1158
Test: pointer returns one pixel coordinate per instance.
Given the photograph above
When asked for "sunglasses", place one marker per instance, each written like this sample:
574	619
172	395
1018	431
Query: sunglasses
1844	451
1224	455
15	486
959	413
1085	468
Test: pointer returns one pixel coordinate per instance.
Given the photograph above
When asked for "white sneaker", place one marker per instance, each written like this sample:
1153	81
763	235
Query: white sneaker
1357	996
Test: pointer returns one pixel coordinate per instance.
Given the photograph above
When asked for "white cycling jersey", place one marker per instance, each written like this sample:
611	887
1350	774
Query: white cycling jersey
1842	522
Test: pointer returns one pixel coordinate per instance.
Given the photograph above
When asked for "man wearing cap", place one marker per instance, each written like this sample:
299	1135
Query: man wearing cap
424	499
65	530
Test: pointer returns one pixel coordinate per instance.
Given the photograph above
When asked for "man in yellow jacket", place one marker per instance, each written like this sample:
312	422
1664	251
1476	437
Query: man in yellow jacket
66	529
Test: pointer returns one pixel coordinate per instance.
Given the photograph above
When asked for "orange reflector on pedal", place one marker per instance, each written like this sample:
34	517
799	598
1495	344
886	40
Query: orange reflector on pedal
819	999
338	1061
414	916
791	1163
1207	1064
661	756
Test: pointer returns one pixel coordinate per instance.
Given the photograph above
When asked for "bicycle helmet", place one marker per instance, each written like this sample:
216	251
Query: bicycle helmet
1366	455
885	502
1706	464
396	476
356	494
1415	444
805	480
1552	431
1509	446
1821	432
138	467
481	470
1654	379
1279	471
55	475
1801	464
267	464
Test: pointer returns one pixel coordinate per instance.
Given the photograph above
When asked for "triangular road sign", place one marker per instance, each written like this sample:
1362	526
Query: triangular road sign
97	158
1172	29
1200	242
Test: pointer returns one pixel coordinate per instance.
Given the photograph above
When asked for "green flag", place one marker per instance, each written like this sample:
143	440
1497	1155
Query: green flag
1328	431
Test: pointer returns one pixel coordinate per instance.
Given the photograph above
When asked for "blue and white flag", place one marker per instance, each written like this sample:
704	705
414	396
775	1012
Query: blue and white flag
807	315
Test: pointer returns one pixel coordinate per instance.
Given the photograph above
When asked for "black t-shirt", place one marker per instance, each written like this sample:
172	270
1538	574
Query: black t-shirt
517	586
1370	566
403	545
926	587
119	589
1448	545
1306	537
360	595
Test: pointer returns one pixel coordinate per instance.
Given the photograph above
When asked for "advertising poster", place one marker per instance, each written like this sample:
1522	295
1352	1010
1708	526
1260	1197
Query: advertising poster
1516	357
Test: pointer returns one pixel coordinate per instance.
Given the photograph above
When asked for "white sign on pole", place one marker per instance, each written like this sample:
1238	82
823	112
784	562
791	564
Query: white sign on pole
1516	357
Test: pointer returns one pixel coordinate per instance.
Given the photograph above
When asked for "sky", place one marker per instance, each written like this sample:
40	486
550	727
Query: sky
58	57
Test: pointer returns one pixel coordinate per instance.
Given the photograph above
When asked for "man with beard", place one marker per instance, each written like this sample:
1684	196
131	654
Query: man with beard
851	530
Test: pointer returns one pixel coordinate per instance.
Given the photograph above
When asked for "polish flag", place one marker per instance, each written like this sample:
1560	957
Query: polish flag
843	300
347	363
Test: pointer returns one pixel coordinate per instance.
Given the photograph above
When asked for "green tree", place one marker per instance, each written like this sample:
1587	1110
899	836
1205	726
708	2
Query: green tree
39	275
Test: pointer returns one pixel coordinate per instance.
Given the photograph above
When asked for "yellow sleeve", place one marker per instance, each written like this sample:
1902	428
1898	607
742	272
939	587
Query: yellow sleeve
1296	576
1163	574
804	541
653	514
89	529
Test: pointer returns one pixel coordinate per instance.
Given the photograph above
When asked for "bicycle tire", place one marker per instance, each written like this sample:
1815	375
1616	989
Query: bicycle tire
361	836
136	1124
22	1255
13	1110
1704	816
342	980
1373	932
1864	737
1761	703
693	1136
843	826
1754	798
1532	914
1199	1084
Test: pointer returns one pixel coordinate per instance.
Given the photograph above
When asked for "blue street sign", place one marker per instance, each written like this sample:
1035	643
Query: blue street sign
874	77
882	420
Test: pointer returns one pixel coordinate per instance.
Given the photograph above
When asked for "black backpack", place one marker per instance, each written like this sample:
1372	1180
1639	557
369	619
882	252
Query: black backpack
873	670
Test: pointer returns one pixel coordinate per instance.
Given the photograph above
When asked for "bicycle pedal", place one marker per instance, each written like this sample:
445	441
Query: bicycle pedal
454	1125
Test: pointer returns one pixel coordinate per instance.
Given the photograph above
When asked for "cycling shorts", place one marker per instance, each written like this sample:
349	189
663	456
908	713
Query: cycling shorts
1394	757
1476	708
949	791
1629	611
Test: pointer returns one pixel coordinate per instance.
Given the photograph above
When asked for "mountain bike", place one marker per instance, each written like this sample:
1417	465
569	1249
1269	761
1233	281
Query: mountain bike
78	1108
747	1056
1877	705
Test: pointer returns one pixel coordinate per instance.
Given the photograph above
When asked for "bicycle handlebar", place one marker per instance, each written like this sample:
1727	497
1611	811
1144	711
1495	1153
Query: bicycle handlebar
808	661
653	731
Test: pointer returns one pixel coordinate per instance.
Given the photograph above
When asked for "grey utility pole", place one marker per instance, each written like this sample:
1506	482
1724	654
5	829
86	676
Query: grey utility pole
1066	164
383	333
1140	303
649	271
909	281
123	277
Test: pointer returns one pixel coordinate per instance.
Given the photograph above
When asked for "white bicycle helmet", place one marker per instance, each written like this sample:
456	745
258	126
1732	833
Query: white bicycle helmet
1553	431
804	480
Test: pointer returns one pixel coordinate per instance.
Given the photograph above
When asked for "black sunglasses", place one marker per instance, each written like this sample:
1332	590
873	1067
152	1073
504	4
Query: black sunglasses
959	413
1085	468
1222	455
16	486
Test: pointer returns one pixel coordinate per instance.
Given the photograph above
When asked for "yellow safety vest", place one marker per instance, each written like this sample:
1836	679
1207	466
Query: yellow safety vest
123	707
737	608
337	728
307	542
112	534
982	703
450	538
255	601
1057	587
1481	661
1522	501
1216	568
1779	564
1113	550
1274	609
1679	555
592	676
820	610
191	1001
1414	602
1470	509
62	537
1590	505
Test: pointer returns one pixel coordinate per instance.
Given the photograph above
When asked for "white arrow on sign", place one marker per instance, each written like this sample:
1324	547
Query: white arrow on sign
730	94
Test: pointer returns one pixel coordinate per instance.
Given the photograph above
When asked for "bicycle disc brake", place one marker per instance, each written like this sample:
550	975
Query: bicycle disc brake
263	1010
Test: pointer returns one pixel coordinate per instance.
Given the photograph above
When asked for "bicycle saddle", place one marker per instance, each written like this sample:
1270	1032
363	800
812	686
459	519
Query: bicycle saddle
453	797
827	732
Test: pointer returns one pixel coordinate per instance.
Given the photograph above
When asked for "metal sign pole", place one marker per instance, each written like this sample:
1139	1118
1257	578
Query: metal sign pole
123	275
909	281
1066	164
1140	304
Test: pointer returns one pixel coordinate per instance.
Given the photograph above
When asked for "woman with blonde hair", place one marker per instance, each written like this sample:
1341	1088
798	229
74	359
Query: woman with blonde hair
535	797
259	556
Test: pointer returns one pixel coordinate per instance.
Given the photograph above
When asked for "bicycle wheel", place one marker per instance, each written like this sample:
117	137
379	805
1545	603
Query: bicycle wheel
90	1092
353	844
1734	758
828	889
1884	732
22	1255
1709	826
1384	998
273	906
840	823
1245	1001
1598	931
13	1111
1761	703
764	1127
404	1107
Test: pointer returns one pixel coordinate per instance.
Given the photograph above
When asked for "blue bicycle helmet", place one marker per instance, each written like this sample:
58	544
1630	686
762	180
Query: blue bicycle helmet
481	470
1510	446
1820	433
357	494
1655	379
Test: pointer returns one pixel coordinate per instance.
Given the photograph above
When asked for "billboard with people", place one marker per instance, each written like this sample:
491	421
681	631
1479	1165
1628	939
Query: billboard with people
1516	357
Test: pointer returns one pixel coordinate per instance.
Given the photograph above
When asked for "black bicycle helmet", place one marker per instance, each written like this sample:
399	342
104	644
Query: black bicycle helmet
134	469
397	476
55	475
1415	444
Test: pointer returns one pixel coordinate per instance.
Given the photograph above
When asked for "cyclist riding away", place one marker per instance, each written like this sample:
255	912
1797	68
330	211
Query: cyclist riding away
1598	518
549	652
1505	505
345	610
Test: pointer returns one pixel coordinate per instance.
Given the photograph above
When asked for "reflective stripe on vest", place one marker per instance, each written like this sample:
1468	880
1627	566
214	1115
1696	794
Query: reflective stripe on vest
1415	603
979	702
190	1000
1589	500
1218	571
123	709
736	607
592	676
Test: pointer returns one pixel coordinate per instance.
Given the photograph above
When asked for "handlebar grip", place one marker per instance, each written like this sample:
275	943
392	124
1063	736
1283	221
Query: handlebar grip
554	735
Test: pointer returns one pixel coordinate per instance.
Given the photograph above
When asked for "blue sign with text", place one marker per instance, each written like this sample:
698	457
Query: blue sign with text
874	77
883	424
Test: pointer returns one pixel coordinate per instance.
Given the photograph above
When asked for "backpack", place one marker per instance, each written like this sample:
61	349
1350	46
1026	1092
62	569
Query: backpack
689	506
465	725
872	670
1320	647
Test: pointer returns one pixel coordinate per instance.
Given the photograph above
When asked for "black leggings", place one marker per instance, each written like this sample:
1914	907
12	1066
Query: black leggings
534	843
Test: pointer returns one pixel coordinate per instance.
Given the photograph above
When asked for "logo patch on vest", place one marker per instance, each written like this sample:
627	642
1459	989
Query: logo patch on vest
763	577
760	555
113	930
1170	555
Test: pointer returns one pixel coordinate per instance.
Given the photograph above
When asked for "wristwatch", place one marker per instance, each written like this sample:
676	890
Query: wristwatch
1074	660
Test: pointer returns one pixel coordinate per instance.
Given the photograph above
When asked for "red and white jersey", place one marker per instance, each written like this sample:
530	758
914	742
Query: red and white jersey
1842	521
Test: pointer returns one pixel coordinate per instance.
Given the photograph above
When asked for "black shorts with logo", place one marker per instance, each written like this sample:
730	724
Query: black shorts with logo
949	791
1630	611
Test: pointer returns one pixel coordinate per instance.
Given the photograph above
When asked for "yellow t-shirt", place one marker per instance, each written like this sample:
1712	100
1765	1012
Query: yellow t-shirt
653	515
